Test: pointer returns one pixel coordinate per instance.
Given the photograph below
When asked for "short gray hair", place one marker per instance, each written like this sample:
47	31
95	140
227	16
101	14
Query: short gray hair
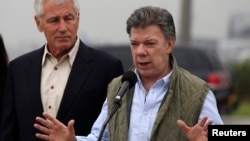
39	7
150	15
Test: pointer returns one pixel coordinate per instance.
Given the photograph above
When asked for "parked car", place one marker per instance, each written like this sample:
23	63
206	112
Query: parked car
205	63
122	52
201	62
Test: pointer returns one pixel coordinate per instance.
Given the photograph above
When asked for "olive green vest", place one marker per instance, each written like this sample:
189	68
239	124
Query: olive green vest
184	100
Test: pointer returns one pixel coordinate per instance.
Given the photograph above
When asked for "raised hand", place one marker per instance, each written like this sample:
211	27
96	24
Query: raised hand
197	132
53	130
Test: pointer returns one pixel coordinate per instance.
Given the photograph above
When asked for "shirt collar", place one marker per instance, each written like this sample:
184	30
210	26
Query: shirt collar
165	80
71	54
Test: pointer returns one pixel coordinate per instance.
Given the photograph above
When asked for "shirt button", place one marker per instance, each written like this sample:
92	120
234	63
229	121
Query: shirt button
49	107
55	68
52	87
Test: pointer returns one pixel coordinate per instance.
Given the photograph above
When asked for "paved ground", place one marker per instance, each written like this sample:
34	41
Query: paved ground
235	120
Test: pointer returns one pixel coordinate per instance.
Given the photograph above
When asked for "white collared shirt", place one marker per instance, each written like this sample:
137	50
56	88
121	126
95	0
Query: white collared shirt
54	77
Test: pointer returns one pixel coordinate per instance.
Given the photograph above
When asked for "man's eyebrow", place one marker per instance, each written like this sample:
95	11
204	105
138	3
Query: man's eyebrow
68	14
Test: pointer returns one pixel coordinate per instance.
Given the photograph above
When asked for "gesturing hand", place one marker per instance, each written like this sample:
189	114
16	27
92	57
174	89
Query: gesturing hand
197	132
53	130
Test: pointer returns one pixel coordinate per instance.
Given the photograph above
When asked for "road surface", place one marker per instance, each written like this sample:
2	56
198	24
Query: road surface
235	120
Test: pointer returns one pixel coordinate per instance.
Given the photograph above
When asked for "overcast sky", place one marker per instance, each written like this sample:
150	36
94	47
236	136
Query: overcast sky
103	21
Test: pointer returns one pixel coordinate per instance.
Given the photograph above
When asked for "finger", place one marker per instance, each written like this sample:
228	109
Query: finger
71	126
52	119
209	122
183	126
41	128
44	122
42	136
203	121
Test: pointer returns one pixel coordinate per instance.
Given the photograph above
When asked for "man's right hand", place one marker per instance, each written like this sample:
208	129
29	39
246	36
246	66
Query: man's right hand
197	132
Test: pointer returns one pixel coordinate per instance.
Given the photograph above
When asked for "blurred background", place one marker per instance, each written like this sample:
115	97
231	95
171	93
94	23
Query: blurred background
219	24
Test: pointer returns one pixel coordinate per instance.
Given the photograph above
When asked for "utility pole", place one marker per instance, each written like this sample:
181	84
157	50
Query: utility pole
185	24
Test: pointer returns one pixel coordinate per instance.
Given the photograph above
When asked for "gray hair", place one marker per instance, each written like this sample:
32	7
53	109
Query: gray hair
39	9
150	15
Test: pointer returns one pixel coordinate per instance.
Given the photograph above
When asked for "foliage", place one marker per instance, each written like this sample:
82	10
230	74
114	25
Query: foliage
241	78
243	109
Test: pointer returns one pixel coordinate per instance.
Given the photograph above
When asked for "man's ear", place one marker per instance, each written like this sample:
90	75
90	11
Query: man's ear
170	44
38	23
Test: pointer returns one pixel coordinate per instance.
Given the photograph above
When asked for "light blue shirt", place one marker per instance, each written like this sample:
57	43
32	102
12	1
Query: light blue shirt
144	112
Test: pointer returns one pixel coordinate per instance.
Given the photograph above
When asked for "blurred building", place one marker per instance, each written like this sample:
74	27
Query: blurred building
236	46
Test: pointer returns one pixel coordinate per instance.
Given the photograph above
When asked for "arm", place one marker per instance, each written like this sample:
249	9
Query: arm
210	109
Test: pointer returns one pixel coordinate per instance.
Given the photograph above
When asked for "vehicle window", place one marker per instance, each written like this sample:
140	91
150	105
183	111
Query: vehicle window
191	59
121	52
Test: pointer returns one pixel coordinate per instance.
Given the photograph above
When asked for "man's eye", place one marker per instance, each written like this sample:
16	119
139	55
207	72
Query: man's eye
69	17
150	44
134	44
52	20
